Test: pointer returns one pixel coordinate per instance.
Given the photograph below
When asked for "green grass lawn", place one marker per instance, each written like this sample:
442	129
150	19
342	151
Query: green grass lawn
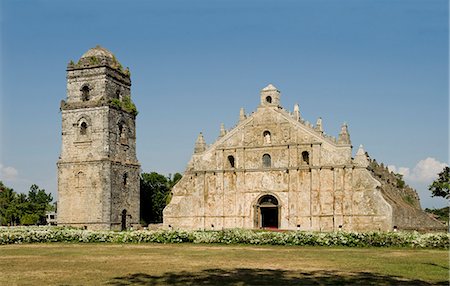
191	264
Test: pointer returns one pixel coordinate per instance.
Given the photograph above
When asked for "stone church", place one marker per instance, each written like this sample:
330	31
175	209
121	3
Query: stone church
98	172
276	170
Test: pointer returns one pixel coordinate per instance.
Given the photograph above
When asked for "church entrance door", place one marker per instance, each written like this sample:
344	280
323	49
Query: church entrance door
267	212
269	217
124	220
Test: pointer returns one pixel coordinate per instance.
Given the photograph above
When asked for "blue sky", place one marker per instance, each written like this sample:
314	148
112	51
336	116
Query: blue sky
381	66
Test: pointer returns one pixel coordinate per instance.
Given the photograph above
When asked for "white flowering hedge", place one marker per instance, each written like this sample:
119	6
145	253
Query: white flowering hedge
233	236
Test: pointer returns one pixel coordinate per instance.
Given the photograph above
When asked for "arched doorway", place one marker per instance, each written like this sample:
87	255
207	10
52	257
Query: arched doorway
267	212
124	220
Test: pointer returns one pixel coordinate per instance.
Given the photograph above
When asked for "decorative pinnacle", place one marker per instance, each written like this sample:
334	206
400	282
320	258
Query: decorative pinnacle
297	112
319	125
344	136
242	114
222	130
200	144
361	158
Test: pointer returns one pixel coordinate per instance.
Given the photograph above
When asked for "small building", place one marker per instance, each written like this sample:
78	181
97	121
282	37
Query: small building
276	170
51	218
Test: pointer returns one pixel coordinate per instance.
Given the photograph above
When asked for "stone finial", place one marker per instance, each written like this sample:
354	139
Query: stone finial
319	125
242	114
297	112
270	96
200	144
222	130
361	158
344	136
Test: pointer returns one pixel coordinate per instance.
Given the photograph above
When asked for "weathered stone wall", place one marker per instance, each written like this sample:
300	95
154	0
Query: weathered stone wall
405	202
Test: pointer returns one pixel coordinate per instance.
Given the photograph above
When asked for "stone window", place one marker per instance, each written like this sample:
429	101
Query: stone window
83	128
122	133
85	93
305	157
117	94
268	99
267	161
125	178
80	180
231	161
267	137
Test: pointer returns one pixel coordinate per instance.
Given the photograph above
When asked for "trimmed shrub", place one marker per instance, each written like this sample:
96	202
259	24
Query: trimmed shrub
232	236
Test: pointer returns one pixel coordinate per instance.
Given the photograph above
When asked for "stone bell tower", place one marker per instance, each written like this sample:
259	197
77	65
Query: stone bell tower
98	172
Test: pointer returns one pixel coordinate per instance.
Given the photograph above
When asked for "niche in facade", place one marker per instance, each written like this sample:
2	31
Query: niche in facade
305	157
230	161
267	161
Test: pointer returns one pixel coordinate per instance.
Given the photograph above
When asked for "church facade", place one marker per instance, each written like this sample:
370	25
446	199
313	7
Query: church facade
98	172
276	170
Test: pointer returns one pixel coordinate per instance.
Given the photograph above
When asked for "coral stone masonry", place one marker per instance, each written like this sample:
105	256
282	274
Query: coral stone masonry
98	172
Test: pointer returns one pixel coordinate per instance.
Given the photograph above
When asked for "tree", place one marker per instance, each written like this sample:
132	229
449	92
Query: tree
39	203
155	193
8	211
22	209
440	186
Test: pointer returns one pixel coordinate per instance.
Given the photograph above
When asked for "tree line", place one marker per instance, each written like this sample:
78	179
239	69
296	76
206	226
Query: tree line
24	209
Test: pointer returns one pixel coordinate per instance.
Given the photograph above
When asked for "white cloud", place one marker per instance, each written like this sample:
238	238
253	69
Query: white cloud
8	173
425	171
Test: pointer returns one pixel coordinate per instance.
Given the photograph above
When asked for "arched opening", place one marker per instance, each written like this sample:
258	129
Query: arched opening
80	180
122	132
124	179
305	157
85	93
267	161
267	137
124	220
268	212
231	161
83	128
268	99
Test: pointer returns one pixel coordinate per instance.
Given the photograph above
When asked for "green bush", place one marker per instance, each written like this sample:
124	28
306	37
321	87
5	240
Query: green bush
233	236
29	219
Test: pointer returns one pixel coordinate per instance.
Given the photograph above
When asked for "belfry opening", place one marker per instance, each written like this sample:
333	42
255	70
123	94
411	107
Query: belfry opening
268	212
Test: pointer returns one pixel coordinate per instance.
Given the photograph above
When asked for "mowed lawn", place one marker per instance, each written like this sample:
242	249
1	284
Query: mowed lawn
191	264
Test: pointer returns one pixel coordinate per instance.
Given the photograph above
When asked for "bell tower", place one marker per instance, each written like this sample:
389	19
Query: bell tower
270	96
98	172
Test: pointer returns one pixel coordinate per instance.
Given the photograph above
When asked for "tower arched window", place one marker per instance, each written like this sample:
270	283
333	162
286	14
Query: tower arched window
122	133
268	99
267	137
85	93
83	128
124	179
305	157
267	161
80	180
231	161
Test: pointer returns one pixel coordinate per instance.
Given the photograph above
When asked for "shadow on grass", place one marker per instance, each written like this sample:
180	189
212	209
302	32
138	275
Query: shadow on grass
244	276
